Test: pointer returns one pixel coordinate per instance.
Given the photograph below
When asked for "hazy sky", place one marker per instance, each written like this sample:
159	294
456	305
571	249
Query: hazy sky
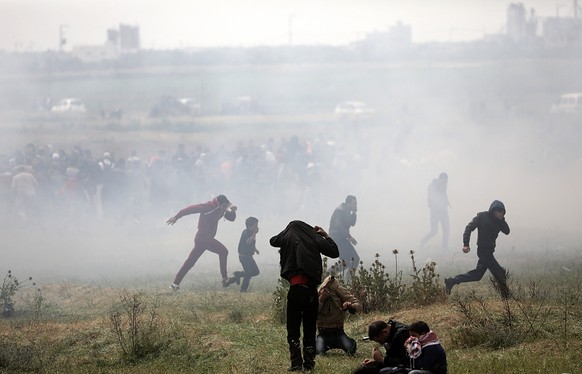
35	24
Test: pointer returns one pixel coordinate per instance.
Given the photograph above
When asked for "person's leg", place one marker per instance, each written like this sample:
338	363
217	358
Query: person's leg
311	306
294	315
446	228
472	275
190	261
499	274
320	344
217	247
434	222
250	270
346	343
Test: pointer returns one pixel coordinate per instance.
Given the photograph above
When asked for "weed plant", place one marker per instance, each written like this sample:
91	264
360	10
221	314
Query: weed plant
135	323
10	286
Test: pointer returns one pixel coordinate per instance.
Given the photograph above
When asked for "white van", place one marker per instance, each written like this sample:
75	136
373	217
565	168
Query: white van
569	103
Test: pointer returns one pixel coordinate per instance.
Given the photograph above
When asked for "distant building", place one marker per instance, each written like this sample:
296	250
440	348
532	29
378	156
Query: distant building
562	32
129	37
122	40
396	41
520	27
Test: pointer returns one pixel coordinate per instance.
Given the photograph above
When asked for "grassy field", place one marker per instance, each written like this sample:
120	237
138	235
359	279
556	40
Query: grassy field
485	123
69	327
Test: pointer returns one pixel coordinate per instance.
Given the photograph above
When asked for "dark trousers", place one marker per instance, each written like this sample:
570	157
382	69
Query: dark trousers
486	262
347	253
302	306
436	217
250	269
329	338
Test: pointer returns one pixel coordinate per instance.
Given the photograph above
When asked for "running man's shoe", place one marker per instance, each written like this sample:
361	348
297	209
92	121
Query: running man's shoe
174	287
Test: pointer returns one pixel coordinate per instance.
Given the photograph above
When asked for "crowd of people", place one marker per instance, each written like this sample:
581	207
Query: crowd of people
38	181
81	184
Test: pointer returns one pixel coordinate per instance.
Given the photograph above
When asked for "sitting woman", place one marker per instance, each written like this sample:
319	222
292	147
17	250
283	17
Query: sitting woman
427	355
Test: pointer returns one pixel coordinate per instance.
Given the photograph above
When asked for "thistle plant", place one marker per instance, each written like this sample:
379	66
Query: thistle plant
10	286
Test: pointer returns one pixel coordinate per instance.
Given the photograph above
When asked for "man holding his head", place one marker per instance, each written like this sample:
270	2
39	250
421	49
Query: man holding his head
392	335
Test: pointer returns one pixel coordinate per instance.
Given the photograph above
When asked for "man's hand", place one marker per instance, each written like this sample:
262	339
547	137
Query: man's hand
347	305
321	231
171	220
368	362
233	208
353	240
466	249
378	356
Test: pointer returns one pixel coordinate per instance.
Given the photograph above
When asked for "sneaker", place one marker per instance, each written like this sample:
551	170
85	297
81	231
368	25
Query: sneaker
238	275
448	285
228	281
174	287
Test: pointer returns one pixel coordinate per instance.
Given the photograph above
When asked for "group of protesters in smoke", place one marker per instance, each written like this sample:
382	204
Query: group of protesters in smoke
38	181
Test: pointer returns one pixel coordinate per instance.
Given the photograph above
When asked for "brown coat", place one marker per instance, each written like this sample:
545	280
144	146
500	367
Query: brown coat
331	313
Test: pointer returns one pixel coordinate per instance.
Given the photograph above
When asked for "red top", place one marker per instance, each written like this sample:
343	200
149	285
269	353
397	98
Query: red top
210	214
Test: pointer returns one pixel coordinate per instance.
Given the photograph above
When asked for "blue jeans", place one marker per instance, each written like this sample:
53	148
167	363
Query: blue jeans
334	338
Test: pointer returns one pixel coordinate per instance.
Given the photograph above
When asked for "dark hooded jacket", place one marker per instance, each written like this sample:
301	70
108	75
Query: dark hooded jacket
395	350
488	228
301	249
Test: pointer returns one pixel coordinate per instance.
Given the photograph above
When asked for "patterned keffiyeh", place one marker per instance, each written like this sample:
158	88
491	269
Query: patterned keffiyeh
414	345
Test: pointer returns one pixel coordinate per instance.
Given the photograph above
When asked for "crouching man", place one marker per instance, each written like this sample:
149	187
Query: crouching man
334	302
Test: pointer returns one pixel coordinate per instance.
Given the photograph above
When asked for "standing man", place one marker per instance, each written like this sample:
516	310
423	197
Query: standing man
301	247
334	302
488	225
438	203
344	217
210	213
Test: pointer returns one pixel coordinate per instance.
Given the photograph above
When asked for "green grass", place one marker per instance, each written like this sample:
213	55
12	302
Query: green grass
223	331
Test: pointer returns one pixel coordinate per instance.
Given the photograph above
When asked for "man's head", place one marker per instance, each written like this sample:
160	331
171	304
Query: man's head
222	201
418	328
379	331
351	202
251	223
497	208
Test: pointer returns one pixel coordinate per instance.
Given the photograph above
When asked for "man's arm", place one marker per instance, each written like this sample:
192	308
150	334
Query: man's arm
469	229
504	227
192	209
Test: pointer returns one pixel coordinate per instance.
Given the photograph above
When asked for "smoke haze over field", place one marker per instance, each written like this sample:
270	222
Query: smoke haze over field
34	25
485	122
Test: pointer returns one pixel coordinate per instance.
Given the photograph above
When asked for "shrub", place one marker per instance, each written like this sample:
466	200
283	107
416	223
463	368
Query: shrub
10	286
135	323
515	320
280	300
426	287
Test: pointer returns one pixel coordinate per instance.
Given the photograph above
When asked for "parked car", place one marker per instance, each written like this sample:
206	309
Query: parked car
69	105
168	106
353	110
569	103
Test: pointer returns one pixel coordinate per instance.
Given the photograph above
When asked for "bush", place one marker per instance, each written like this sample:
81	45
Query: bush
135	323
499	326
10	286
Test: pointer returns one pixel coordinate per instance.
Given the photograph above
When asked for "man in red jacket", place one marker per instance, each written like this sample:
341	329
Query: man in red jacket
210	213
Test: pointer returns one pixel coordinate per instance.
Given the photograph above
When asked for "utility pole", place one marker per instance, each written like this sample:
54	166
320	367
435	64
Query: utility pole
62	37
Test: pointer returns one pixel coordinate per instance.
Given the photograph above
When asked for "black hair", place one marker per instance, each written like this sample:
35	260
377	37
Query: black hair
350	198
222	199
420	327
375	328
251	221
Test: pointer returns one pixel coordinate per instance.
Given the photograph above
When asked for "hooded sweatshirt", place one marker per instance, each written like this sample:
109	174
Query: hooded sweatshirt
301	250
488	228
210	214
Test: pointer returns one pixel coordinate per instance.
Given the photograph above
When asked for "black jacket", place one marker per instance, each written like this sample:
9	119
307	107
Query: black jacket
301	250
395	350
488	228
